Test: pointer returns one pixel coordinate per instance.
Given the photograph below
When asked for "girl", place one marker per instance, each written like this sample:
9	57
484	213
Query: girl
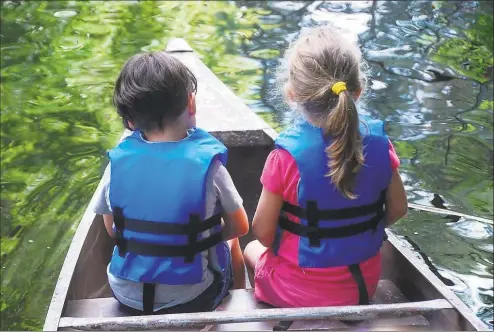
320	220
167	193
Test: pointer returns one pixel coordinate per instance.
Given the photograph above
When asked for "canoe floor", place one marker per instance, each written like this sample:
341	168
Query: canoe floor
243	300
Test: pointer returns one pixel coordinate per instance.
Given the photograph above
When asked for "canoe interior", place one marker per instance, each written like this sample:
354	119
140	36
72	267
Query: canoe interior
83	290
245	166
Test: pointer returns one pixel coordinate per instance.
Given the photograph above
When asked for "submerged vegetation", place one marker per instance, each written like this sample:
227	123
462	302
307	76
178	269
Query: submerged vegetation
59	60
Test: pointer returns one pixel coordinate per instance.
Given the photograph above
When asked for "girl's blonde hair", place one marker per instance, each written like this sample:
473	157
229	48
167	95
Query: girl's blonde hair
318	59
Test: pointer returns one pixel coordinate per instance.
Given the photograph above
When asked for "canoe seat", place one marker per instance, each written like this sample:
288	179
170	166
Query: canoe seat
243	300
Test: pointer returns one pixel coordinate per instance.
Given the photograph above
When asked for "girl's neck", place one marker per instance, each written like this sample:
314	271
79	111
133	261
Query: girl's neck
311	120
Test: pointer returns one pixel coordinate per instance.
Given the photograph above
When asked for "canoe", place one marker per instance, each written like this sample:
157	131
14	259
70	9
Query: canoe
409	295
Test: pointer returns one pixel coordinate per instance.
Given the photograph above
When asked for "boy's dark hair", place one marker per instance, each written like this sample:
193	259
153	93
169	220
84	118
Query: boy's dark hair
152	90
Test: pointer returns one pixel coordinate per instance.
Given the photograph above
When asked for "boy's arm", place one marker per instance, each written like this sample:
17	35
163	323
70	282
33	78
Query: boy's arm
235	219
108	220
236	224
102	207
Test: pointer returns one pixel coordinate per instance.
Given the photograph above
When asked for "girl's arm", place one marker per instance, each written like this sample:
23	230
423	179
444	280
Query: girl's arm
396	199
266	217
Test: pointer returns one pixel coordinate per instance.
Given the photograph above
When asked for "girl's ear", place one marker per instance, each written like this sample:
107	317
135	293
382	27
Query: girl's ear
289	92
357	93
191	104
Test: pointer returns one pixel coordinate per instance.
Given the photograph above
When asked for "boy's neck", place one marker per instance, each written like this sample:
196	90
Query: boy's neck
169	134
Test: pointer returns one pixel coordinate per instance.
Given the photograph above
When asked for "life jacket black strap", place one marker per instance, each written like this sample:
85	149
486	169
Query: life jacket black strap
334	214
313	224
363	295
317	233
153	227
313	215
188	251
194	221
118	220
160	250
148	292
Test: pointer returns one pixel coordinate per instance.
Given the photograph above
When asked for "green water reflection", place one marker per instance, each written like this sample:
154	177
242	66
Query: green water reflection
60	59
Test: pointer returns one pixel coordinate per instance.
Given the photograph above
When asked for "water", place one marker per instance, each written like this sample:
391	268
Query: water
431	79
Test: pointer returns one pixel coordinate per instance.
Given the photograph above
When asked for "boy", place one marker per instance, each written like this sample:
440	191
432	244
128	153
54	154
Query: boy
167	193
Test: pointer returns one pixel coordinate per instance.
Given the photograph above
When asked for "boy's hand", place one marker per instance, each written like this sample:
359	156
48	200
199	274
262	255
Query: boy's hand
108	219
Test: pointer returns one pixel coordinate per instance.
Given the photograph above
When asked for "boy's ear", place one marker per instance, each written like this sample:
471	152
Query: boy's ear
191	104
129	125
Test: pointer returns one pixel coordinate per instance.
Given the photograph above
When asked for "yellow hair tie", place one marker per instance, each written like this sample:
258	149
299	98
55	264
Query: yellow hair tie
338	87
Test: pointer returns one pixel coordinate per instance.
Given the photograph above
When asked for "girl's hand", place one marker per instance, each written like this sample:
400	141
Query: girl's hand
266	218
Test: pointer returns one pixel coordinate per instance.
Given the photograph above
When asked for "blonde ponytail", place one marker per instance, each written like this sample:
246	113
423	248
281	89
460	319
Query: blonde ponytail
345	155
323	71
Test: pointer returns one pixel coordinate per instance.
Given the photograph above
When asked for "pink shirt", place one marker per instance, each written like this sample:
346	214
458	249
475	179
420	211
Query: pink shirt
284	284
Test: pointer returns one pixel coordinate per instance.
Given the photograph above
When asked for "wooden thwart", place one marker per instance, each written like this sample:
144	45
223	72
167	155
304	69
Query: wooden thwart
257	315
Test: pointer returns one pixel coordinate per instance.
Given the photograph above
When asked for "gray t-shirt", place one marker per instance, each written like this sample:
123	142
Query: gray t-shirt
219	188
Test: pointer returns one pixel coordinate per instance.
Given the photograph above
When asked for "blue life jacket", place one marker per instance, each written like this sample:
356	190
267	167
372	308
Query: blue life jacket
157	194
335	230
